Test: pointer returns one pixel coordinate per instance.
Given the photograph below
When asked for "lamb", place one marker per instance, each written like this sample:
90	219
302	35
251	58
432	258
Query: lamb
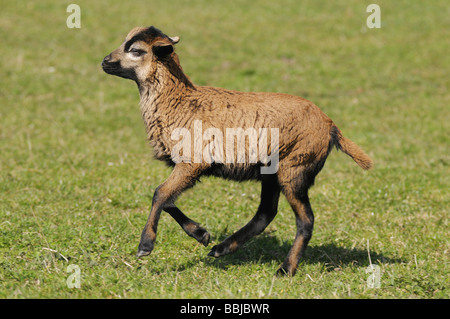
169	101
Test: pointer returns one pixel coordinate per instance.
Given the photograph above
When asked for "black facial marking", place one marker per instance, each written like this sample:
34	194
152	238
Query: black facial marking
115	68
145	35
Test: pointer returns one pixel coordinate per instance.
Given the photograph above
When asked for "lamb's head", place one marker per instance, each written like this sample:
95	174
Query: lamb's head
138	55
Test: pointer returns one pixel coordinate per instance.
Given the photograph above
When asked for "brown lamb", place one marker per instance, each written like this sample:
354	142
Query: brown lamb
169	100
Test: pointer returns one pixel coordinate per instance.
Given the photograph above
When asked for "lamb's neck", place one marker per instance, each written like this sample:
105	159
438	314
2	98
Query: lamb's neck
161	99
158	98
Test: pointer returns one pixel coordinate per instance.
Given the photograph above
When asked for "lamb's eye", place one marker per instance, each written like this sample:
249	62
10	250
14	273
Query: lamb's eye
136	52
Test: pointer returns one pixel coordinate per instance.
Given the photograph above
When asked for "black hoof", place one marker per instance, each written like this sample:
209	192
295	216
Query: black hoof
205	239
202	236
213	252
142	253
281	272
199	233
221	250
145	247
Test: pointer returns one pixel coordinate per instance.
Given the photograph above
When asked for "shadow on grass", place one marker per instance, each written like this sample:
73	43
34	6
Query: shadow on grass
268	249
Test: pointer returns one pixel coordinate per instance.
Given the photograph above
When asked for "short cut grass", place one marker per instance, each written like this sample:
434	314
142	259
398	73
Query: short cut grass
77	176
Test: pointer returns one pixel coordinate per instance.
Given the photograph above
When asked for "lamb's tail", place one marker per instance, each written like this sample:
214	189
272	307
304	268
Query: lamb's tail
350	148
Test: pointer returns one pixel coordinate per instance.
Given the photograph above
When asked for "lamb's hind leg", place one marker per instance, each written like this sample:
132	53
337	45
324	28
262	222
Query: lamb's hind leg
270	193
304	218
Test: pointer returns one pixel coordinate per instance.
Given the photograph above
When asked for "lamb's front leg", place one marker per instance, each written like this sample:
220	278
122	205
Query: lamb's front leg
191	227
183	176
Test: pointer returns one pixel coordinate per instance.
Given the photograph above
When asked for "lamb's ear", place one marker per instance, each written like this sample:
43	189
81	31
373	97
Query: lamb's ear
174	40
162	49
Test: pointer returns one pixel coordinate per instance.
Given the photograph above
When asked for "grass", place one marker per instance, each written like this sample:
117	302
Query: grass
77	175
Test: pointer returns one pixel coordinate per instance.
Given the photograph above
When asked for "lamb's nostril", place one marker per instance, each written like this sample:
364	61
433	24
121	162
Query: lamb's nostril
107	58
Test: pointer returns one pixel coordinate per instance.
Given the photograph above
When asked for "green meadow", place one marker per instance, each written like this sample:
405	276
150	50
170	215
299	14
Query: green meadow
77	175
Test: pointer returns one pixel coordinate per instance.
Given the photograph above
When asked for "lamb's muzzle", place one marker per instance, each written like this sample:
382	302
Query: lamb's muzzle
170	102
